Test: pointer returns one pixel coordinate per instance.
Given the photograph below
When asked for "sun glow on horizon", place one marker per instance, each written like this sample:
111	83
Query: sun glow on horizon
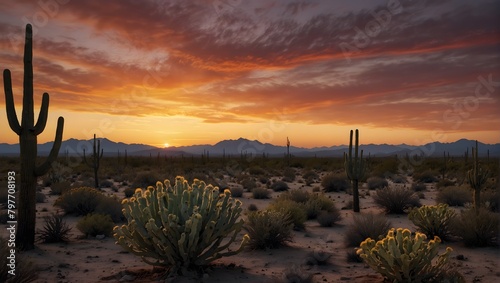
165	145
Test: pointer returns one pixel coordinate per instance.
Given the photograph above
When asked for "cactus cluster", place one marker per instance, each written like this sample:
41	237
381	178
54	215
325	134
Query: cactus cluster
433	220
180	226
28	131
355	169
401	257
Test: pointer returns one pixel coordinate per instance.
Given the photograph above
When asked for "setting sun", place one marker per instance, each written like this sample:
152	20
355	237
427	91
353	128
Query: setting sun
166	145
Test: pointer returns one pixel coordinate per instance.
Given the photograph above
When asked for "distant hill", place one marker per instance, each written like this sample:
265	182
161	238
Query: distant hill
241	145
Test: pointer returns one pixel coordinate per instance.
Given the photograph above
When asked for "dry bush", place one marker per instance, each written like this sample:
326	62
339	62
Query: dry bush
477	229
366	226
335	183
396	200
260	193
268	229
96	224
454	196
374	183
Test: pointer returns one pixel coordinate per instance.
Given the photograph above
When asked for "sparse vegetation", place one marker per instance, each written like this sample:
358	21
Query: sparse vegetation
374	183
477	229
54	230
96	224
279	186
269	229
396	200
454	196
335	183
366	226
260	193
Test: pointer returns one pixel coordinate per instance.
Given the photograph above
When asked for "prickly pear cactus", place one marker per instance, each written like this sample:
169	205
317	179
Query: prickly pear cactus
180	226
401	257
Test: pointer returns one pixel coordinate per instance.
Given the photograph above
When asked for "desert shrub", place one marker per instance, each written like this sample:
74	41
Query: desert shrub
288	175
260	193
426	177
269	229
40	197
396	200
397	179
111	206
310	174
252	207
418	187
316	203
329	218
491	200
256	171
454	196
79	201
415	259
335	183
167	221
296	195
236	192
106	184
316	189
279	186
248	184
129	192
96	224
295	210
54	230
477	229
144	179
263	180
25	271
293	274
433	220
444	183
374	183
366	226
60	188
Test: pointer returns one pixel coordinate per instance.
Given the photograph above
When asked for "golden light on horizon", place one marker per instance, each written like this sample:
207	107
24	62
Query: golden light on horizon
166	145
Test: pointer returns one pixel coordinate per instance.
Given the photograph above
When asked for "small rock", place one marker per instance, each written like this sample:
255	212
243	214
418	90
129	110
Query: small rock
100	237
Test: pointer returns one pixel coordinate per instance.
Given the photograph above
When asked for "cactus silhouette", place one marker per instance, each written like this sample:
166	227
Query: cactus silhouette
28	131
477	178
355	169
95	160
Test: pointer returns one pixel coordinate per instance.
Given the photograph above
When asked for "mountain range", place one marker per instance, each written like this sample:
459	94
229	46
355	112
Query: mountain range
245	146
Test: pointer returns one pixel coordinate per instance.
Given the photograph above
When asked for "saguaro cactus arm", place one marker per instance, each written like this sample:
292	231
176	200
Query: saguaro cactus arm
42	117
44	168
9	103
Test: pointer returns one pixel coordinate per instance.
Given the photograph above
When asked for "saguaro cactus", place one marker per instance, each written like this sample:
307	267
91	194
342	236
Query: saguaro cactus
355	169
477	177
95	160
28	132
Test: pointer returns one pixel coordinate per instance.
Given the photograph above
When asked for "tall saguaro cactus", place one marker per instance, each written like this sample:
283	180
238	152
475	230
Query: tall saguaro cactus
355	169
28	131
95	160
477	177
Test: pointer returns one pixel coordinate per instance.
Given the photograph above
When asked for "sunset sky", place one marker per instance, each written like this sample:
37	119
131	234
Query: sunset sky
196	72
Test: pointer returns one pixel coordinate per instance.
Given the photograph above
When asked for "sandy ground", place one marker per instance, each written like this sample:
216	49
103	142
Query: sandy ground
93	260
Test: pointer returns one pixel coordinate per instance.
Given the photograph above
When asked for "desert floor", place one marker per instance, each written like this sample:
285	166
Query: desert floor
94	260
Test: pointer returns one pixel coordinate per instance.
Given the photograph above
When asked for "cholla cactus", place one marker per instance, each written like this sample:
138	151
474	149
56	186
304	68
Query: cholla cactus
180	226
401	257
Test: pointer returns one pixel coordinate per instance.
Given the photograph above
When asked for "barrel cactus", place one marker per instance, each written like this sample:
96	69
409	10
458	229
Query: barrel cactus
180	226
401	257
